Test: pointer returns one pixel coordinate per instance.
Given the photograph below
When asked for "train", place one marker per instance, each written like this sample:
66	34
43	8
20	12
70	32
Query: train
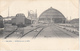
20	20
1	22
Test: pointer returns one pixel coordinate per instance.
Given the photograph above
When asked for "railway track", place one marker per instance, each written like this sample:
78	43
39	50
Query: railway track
11	33
58	32
40	27
37	33
66	32
22	35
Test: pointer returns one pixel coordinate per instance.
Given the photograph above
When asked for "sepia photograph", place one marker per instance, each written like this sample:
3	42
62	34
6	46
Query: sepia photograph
39	24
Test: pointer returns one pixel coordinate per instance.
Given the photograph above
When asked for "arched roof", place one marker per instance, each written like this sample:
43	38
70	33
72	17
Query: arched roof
51	12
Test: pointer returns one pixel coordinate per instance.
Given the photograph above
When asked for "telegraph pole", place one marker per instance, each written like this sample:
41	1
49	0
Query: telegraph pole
8	11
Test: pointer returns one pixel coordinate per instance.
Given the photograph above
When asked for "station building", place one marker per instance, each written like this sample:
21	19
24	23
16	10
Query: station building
52	15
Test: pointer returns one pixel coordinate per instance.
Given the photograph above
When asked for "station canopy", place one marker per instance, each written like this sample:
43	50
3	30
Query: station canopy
51	12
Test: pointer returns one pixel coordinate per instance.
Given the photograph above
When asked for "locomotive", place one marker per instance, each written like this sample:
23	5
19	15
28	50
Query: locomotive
20	20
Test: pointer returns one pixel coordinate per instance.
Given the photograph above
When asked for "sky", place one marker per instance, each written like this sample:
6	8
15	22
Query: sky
69	8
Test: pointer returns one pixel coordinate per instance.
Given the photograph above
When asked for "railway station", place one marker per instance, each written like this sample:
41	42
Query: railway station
50	23
39	25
